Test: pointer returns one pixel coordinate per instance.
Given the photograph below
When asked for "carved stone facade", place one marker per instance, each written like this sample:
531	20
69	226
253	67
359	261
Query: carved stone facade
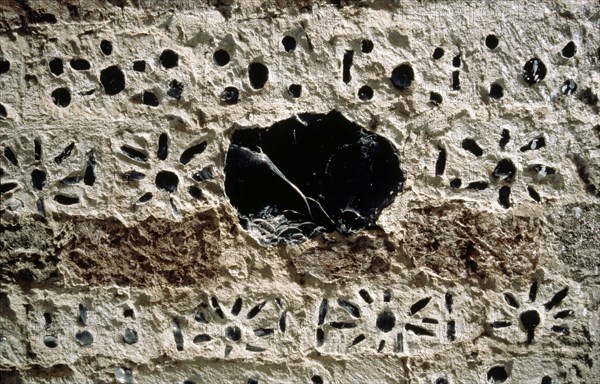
447	233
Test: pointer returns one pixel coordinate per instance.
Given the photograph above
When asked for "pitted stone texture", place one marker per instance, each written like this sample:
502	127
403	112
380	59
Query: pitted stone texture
143	264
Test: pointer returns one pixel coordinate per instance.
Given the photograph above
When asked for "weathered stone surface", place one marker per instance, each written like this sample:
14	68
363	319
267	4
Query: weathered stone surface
113	193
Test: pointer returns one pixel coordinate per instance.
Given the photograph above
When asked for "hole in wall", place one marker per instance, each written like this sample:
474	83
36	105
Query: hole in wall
3	113
346	66
435	98
289	43
221	57
456	61
497	374
472	146
139	65
106	47
365	93
61	97
534	71
150	99
402	77
366	46
112	79
295	91
80	64
491	41
167	181
169	59
569	50
175	89
456	80
4	66
569	87
311	174
258	74
230	95
496	91
38	179
438	53
56	66
455	183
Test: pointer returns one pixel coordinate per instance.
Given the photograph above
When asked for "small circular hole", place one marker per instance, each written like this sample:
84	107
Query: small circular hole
402	77
258	74
61	97
56	66
491	41
367	46
230	95
438	53
169	59
221	57
106	47
295	90
534	71
435	98
496	91
289	43
365	93
569	50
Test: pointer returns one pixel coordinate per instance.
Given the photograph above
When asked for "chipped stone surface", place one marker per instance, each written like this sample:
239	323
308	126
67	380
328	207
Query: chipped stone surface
485	265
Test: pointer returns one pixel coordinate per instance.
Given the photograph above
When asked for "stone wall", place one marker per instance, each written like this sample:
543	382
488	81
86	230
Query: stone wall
124	260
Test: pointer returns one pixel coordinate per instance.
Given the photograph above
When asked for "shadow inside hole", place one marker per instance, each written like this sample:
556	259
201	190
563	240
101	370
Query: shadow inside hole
311	174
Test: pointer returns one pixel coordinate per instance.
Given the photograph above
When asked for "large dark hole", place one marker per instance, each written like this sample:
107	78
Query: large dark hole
534	71
167	181
112	79
402	77
169	59
258	74
3	113
310	174
456	61
504	196
61	97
